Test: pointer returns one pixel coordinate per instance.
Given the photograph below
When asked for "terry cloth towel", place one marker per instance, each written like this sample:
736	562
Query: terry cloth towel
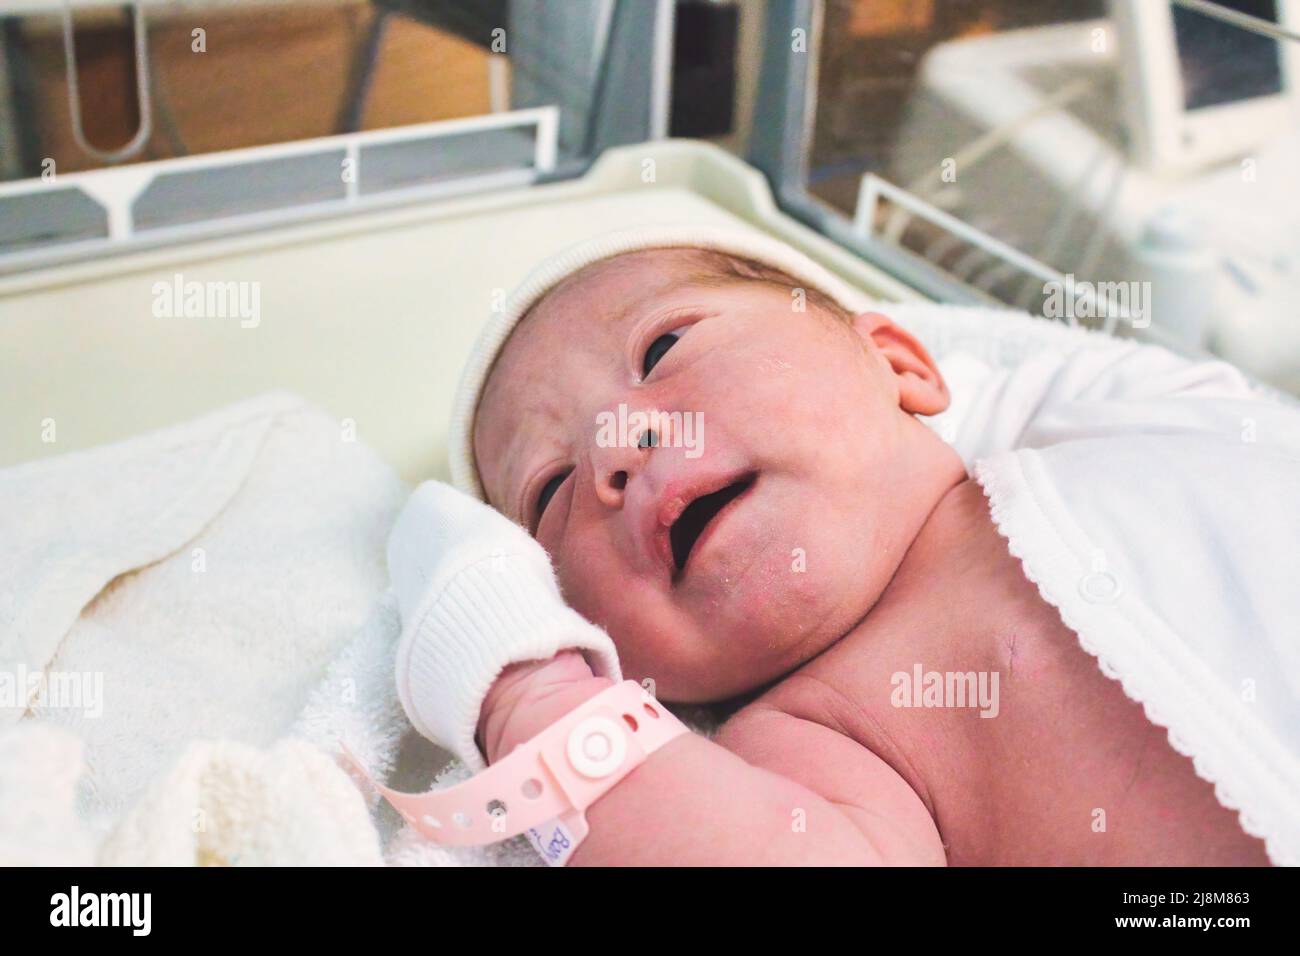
187	585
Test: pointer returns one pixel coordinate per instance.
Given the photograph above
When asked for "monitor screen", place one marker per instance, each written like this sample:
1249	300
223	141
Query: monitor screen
1221	63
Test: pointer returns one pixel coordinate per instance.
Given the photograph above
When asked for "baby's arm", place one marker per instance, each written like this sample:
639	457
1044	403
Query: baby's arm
481	609
803	794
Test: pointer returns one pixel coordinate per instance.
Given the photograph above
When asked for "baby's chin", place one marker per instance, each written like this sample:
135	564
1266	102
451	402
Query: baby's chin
779	585
722	659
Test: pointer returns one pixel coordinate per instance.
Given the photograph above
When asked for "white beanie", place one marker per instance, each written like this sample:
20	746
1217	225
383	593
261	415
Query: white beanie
736	241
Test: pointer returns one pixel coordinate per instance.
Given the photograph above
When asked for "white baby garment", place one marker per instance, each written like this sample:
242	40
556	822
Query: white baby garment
1156	504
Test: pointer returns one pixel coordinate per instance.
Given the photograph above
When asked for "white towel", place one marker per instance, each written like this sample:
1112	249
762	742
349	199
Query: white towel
184	587
39	770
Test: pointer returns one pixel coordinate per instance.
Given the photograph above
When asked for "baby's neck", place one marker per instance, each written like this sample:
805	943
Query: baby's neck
945	611
929	499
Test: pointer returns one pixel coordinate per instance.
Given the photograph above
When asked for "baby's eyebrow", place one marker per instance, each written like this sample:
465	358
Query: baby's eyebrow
641	303
630	309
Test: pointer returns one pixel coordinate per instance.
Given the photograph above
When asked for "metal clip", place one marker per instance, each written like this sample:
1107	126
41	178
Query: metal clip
137	142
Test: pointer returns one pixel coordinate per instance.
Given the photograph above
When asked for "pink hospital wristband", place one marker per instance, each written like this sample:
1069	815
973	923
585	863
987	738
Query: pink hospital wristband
545	784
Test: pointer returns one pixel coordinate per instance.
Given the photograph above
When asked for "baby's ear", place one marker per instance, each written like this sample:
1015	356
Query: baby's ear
921	389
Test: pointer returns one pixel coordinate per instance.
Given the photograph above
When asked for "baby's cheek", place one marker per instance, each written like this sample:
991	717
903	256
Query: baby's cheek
613	601
649	647
802	389
578	583
650	636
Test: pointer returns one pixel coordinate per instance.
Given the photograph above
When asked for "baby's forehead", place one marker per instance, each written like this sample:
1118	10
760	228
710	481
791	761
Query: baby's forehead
593	307
605	291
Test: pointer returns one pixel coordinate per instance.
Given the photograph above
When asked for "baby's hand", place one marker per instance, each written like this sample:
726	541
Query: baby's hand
477	595
530	696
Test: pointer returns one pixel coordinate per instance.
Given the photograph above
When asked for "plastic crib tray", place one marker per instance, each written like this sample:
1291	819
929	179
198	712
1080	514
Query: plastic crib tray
370	316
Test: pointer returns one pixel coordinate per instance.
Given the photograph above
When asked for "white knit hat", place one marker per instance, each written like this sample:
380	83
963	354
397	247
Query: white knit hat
736	241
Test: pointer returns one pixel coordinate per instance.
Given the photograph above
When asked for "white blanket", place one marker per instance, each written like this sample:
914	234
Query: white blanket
166	606
190	622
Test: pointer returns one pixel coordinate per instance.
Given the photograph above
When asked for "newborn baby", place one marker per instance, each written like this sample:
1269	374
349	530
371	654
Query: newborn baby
814	553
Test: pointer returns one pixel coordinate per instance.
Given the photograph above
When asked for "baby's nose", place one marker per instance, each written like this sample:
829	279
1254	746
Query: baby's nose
613	463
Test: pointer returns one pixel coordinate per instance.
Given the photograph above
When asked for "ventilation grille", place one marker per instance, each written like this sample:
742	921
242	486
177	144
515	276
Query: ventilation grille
83	214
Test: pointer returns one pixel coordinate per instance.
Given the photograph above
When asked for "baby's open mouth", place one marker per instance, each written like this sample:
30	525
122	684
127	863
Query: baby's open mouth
695	519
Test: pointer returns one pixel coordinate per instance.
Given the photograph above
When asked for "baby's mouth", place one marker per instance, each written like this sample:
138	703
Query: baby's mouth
696	518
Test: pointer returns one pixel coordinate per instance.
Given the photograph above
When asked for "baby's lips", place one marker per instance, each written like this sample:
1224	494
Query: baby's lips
656	526
670	509
654	521
677	497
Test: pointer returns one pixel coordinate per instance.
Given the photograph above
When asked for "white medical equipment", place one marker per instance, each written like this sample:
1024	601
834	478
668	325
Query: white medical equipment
1053	177
1198	90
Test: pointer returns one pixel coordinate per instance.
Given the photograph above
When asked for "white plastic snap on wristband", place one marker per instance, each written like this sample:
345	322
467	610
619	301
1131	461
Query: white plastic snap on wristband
543	786
597	747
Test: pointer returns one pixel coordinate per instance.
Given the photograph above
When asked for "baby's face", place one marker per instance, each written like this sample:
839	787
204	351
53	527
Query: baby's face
722	557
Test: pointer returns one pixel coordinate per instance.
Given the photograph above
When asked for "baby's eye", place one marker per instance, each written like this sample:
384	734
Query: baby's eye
657	350
548	492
